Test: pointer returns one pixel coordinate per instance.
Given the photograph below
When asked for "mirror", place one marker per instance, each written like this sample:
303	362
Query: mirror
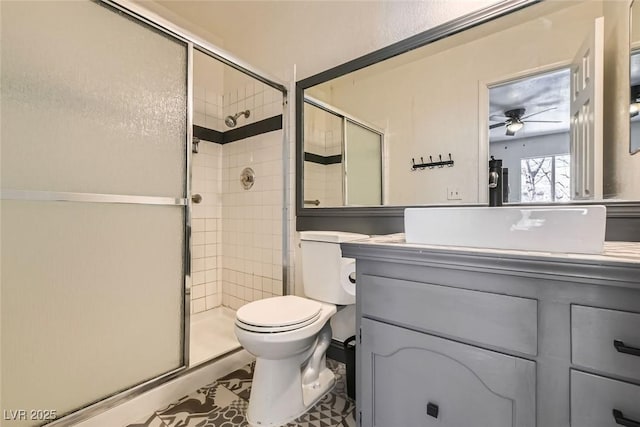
634	109
448	105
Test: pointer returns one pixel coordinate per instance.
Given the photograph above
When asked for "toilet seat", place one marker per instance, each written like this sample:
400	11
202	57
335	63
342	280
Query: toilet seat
278	314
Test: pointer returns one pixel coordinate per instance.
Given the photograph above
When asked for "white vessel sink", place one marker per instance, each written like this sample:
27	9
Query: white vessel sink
567	229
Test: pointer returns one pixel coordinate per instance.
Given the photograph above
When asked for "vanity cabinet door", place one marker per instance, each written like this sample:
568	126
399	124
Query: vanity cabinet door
414	379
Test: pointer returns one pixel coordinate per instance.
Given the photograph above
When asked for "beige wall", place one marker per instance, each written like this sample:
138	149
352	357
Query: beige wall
314	35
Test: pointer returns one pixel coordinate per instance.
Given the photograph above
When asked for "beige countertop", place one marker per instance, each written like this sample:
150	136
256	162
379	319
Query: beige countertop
622	252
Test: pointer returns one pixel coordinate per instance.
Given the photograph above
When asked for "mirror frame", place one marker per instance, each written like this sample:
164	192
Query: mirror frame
633	50
623	218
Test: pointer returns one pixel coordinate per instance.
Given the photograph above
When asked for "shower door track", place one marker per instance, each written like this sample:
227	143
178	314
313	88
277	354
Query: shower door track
113	401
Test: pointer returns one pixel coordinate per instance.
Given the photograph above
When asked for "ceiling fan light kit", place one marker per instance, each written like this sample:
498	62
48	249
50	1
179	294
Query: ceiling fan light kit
515	126
515	120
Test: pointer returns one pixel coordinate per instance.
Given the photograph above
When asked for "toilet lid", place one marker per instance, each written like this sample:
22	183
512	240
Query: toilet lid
278	312
275	329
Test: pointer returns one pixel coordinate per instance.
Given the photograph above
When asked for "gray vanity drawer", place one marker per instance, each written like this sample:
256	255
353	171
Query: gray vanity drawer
593	332
480	317
594	398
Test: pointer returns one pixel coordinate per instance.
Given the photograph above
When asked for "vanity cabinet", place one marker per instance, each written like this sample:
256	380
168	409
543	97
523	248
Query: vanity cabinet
417	379
455	338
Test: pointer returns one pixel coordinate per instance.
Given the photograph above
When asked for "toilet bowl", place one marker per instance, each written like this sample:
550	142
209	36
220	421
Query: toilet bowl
289	335
284	386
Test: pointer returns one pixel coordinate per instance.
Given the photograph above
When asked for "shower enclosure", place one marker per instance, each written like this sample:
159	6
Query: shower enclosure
97	286
344	158
237	227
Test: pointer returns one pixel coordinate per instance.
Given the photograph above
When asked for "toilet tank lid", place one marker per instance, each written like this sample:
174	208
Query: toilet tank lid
331	236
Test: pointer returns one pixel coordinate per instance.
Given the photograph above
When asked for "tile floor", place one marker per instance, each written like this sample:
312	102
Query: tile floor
224	404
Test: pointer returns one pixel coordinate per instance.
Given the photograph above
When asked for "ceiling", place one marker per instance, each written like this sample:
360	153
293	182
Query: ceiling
534	94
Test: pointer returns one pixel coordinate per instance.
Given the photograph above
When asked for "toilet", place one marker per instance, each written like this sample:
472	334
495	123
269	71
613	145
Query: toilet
289	335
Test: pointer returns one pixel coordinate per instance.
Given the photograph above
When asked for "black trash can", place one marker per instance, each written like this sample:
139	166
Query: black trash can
350	362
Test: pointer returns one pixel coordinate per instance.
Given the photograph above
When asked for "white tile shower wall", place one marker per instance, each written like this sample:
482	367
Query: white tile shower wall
333	172
333	140
206	287
333	184
208	108
324	138
252	220
261	100
314	173
314	179
252	264
208	83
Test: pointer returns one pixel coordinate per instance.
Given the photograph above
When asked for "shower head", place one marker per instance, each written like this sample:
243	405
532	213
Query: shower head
232	121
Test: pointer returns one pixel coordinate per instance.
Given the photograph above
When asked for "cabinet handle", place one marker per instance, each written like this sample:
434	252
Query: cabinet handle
621	420
619	345
432	410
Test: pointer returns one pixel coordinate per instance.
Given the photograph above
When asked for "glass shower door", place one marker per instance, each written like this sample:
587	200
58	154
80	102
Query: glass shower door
363	165
94	211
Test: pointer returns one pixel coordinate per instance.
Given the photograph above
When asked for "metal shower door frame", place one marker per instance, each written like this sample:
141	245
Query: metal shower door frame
346	117
192	42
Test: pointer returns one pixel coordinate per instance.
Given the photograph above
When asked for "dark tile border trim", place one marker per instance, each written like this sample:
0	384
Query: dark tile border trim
247	131
322	160
253	129
207	134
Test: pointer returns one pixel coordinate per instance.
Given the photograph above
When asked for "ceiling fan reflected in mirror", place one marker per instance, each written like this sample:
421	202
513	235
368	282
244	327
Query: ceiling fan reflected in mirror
514	119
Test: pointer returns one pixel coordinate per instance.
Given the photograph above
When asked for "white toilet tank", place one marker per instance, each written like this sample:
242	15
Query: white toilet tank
325	273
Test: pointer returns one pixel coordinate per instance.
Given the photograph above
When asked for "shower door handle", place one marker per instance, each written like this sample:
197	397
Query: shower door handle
196	198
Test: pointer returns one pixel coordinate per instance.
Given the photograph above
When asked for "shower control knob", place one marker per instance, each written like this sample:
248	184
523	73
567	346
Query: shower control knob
247	178
196	198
